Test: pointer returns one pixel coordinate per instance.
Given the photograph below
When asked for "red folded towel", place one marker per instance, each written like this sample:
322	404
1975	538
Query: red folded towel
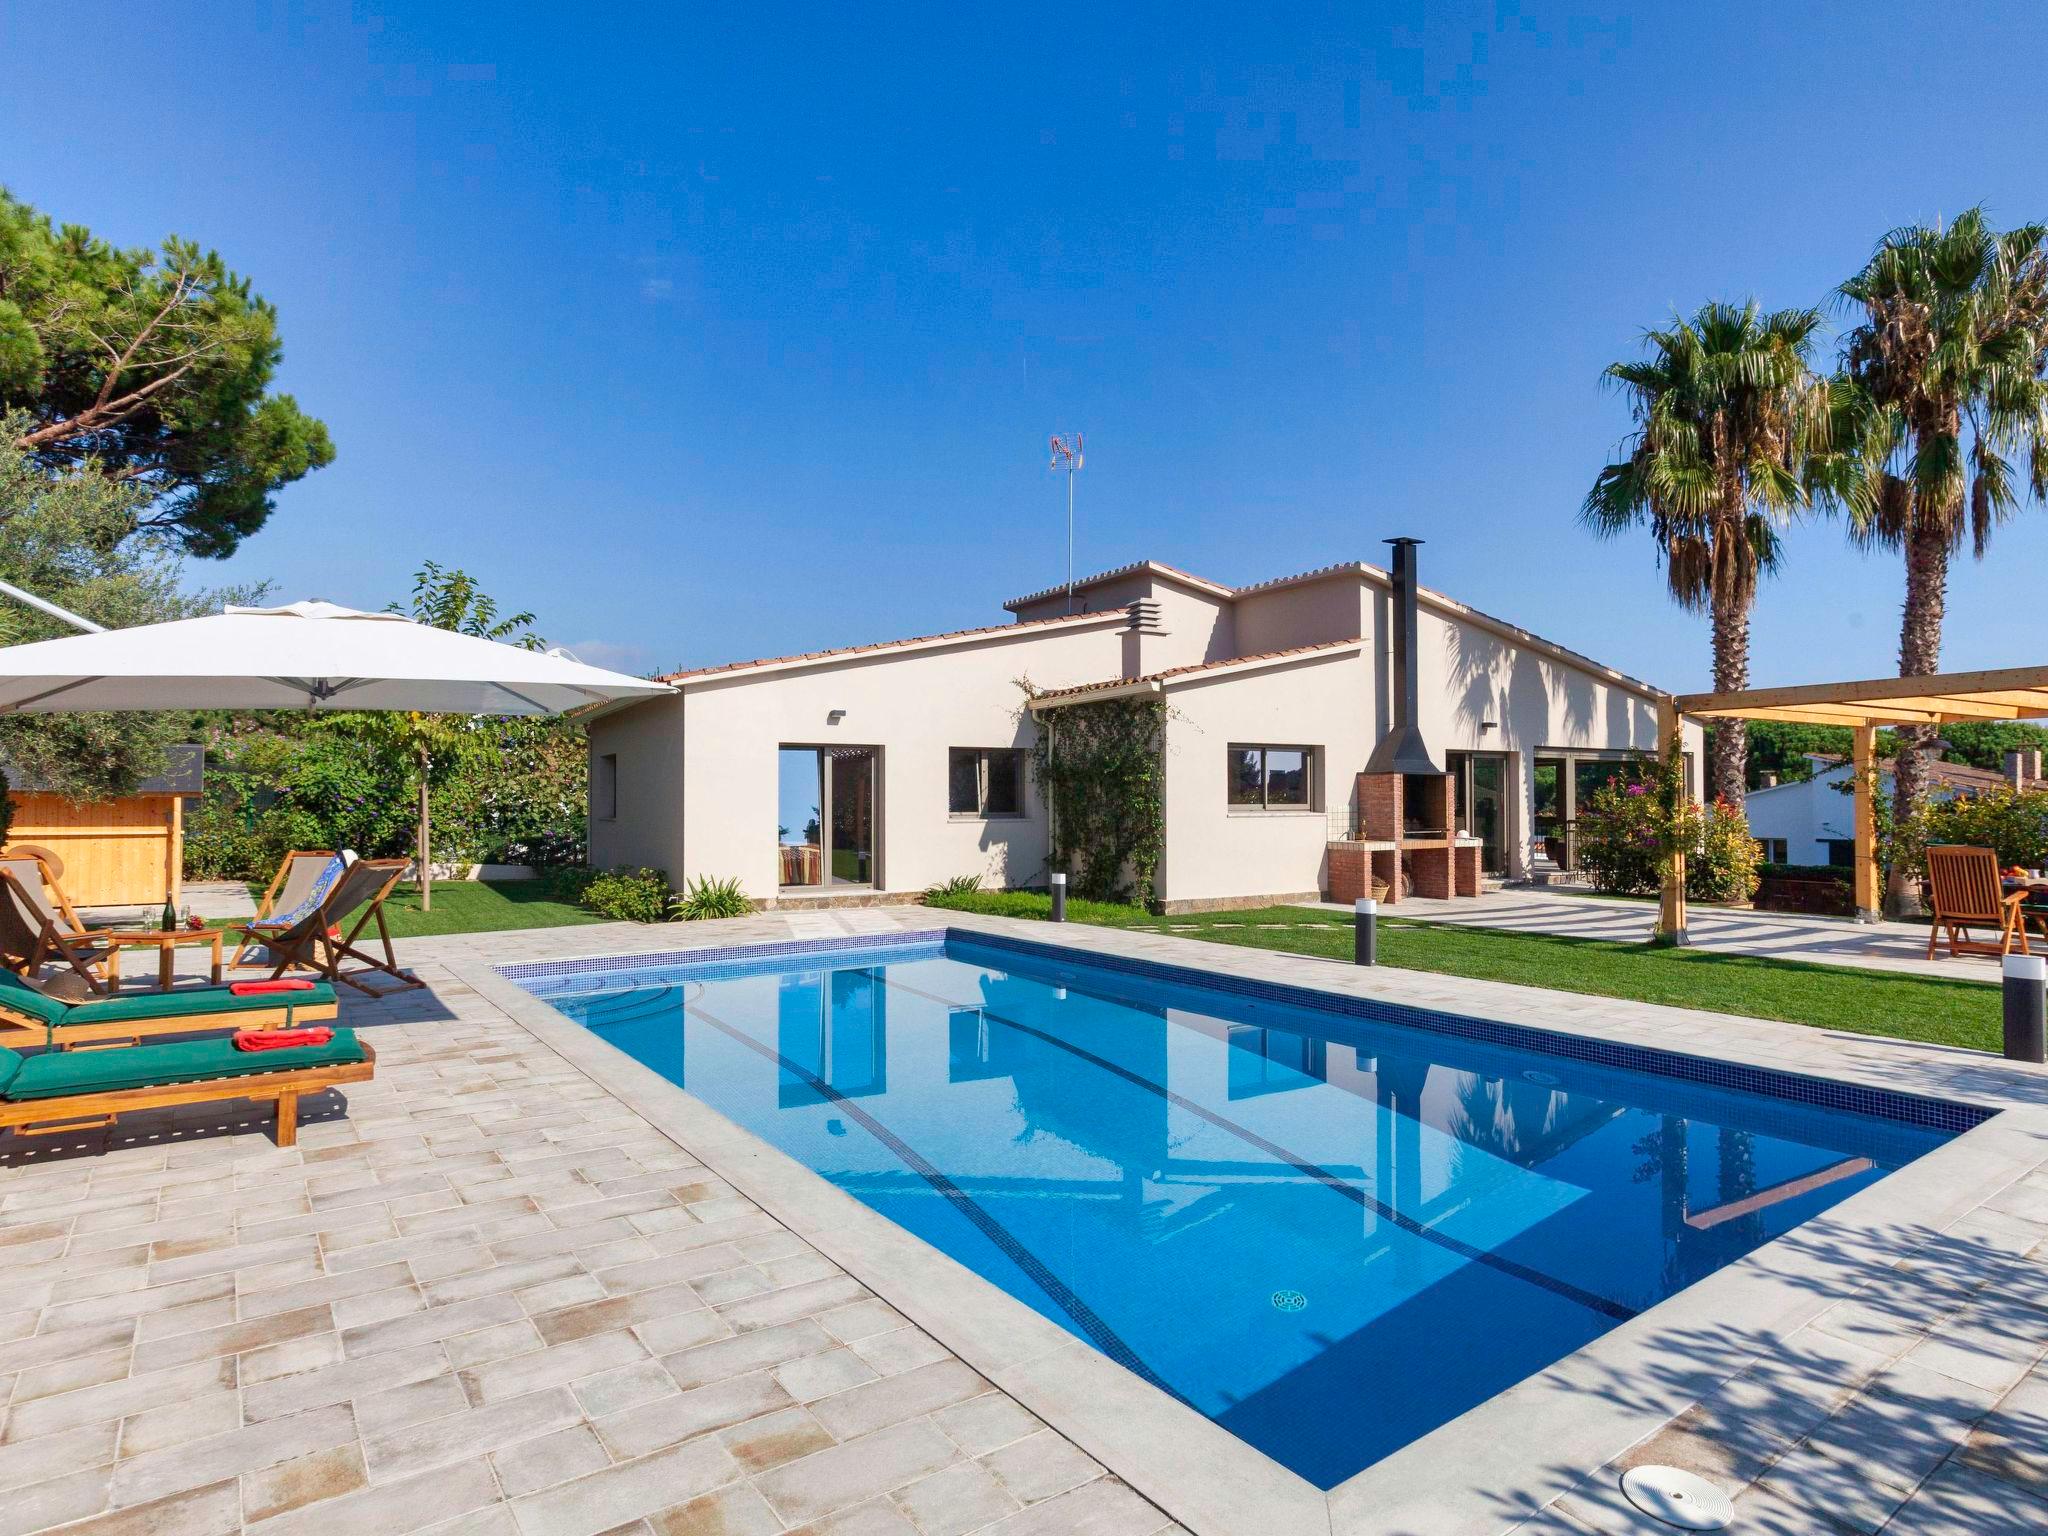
281	1039
259	988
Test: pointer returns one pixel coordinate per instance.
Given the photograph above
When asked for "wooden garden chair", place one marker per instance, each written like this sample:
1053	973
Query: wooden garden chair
1967	894
34	929
55	1091
305	875
315	940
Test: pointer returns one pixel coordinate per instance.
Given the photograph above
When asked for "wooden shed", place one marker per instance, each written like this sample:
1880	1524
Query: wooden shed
119	853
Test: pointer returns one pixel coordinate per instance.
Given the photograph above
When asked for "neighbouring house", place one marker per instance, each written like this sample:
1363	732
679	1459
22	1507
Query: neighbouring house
1811	821
872	772
124	852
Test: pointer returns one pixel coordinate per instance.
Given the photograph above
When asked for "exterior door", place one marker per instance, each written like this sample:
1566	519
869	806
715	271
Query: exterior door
1479	786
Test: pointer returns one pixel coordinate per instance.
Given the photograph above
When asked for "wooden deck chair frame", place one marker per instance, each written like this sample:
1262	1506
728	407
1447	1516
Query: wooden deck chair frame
280	884
1965	887
89	1111
311	942
40	939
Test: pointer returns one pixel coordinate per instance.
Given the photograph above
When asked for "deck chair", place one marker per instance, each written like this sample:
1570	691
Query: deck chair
1966	891
34	929
311	941
302	879
29	1016
56	1091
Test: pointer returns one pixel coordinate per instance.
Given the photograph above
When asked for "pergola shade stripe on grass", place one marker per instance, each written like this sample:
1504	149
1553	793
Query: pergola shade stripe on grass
1941	698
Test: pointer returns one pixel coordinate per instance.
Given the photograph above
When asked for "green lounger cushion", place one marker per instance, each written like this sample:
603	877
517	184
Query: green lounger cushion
10	1063
197	1002
126	1006
65	1074
17	996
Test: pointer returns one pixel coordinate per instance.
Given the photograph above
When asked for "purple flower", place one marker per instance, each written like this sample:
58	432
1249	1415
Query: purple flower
1637	789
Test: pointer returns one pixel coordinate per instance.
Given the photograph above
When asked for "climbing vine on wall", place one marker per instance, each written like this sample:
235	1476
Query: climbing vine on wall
1101	771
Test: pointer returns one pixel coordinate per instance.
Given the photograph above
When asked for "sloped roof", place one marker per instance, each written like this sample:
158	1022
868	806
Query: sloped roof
848	652
1159	568
1152	682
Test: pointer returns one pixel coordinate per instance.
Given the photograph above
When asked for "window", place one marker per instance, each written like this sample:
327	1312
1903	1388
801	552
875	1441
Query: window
985	781
1774	850
1842	852
604	788
1272	778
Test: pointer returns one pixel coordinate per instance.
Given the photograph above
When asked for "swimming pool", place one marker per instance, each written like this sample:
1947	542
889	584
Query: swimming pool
1328	1231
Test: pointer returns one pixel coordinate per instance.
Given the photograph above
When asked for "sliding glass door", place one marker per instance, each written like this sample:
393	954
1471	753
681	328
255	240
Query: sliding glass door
1479	789
825	813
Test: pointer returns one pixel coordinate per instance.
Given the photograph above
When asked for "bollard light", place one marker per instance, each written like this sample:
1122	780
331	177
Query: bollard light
1365	931
1059	898
2026	1008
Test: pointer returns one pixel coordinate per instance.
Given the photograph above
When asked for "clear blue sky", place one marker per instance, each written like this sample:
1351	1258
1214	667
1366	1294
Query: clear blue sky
719	331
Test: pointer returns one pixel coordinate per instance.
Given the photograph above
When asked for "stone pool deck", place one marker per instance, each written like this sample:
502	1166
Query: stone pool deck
518	1287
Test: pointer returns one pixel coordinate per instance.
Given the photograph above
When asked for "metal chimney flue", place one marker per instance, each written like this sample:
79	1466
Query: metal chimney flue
1403	750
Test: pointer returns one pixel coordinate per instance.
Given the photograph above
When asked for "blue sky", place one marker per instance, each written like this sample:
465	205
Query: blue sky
719	331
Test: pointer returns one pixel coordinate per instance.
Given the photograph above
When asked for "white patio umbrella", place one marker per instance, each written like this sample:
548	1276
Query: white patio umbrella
309	655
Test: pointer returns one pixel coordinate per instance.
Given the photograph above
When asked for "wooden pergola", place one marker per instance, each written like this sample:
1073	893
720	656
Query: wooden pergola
1941	698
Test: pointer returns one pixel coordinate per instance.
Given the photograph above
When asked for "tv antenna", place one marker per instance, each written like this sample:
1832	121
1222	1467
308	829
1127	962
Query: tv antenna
1066	453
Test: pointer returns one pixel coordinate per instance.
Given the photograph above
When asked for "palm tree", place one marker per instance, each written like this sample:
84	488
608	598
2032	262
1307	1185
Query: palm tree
1727	408
1943	374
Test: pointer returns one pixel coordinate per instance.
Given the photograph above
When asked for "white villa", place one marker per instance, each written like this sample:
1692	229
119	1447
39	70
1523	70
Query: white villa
873	772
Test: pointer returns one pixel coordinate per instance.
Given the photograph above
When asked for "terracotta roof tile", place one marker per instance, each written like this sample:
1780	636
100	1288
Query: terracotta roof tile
1124	570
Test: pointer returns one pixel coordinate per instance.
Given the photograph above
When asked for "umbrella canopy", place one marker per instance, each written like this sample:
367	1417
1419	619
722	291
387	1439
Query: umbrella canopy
301	656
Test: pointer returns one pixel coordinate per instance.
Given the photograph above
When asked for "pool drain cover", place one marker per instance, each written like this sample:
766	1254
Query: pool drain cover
1289	1301
1678	1498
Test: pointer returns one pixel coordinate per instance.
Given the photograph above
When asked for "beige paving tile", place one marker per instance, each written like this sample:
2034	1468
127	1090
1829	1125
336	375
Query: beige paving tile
541	1463
958	1499
628	1491
396	1454
650	1426
303	1481
392	1509
848	1474
174	1469
734	1510
893	1399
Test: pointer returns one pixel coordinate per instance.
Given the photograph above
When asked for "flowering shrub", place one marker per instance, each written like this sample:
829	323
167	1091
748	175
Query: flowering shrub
1723	866
1631	827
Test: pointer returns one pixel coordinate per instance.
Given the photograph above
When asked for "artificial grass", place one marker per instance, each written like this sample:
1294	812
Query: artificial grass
1926	1008
473	906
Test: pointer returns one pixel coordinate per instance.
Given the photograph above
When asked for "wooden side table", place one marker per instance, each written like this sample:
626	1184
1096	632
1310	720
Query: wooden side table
166	952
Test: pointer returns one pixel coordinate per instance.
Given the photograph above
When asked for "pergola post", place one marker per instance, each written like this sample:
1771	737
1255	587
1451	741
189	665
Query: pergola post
1671	900
1866	879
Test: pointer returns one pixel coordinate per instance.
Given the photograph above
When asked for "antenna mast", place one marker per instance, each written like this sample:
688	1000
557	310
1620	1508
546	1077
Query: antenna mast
1066	452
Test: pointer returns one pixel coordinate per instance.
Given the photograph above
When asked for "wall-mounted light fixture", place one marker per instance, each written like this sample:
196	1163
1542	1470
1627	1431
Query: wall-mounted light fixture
1489	725
834	716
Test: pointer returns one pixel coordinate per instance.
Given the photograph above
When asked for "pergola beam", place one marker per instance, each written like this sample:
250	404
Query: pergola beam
2007	693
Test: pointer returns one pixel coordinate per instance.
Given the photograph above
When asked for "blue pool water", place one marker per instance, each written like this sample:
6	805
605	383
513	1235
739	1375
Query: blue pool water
1328	1234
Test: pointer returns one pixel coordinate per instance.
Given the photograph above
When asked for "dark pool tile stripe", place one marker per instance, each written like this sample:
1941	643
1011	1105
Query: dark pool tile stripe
1591	1300
1769	1082
1085	1318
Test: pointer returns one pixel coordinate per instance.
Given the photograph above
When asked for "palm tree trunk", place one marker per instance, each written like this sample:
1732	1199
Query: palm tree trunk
1728	746
1927	552
426	851
1733	596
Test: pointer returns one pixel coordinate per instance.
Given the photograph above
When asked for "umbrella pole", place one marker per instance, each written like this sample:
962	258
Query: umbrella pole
425	844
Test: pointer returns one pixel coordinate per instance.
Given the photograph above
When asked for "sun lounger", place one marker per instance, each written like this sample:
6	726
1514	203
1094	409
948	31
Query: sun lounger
312	940
29	1017
82	1090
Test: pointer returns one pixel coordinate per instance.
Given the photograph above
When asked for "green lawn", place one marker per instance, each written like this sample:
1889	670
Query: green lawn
1965	1013
478	906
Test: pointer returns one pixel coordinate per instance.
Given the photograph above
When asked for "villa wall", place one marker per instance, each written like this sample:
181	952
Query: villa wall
1216	851
647	828
913	706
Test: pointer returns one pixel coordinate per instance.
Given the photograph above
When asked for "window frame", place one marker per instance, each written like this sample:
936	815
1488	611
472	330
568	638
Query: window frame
982	758
1311	770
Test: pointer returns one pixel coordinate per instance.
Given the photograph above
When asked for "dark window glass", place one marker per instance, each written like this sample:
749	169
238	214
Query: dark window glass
1286	776
1841	852
1005	784
1247	776
963	781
